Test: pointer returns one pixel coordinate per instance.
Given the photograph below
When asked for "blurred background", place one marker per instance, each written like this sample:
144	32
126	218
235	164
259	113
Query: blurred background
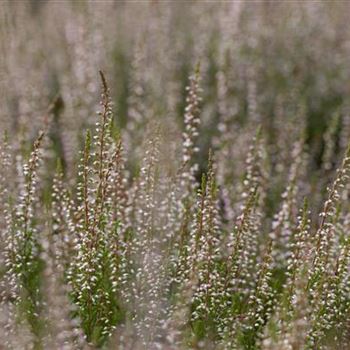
281	65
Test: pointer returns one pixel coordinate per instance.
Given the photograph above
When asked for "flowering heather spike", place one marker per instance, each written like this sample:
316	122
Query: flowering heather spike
241	240
142	269
299	248
5	192
207	249
255	173
22	259
261	302
321	283
282	225
9	286
325	230
191	121
289	317
63	331
84	186
118	191
93	273
239	271
339	308
63	224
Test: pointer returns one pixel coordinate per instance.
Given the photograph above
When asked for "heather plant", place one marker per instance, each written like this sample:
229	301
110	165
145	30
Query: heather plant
205	205
94	270
23	264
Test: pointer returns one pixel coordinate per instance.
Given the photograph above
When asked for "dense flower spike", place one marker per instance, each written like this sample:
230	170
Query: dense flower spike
191	121
5	165
283	223
63	330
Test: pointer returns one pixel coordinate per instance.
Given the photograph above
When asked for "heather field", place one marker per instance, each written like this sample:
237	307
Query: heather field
174	175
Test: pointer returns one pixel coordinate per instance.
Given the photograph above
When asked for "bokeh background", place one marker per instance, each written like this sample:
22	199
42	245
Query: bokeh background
279	64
